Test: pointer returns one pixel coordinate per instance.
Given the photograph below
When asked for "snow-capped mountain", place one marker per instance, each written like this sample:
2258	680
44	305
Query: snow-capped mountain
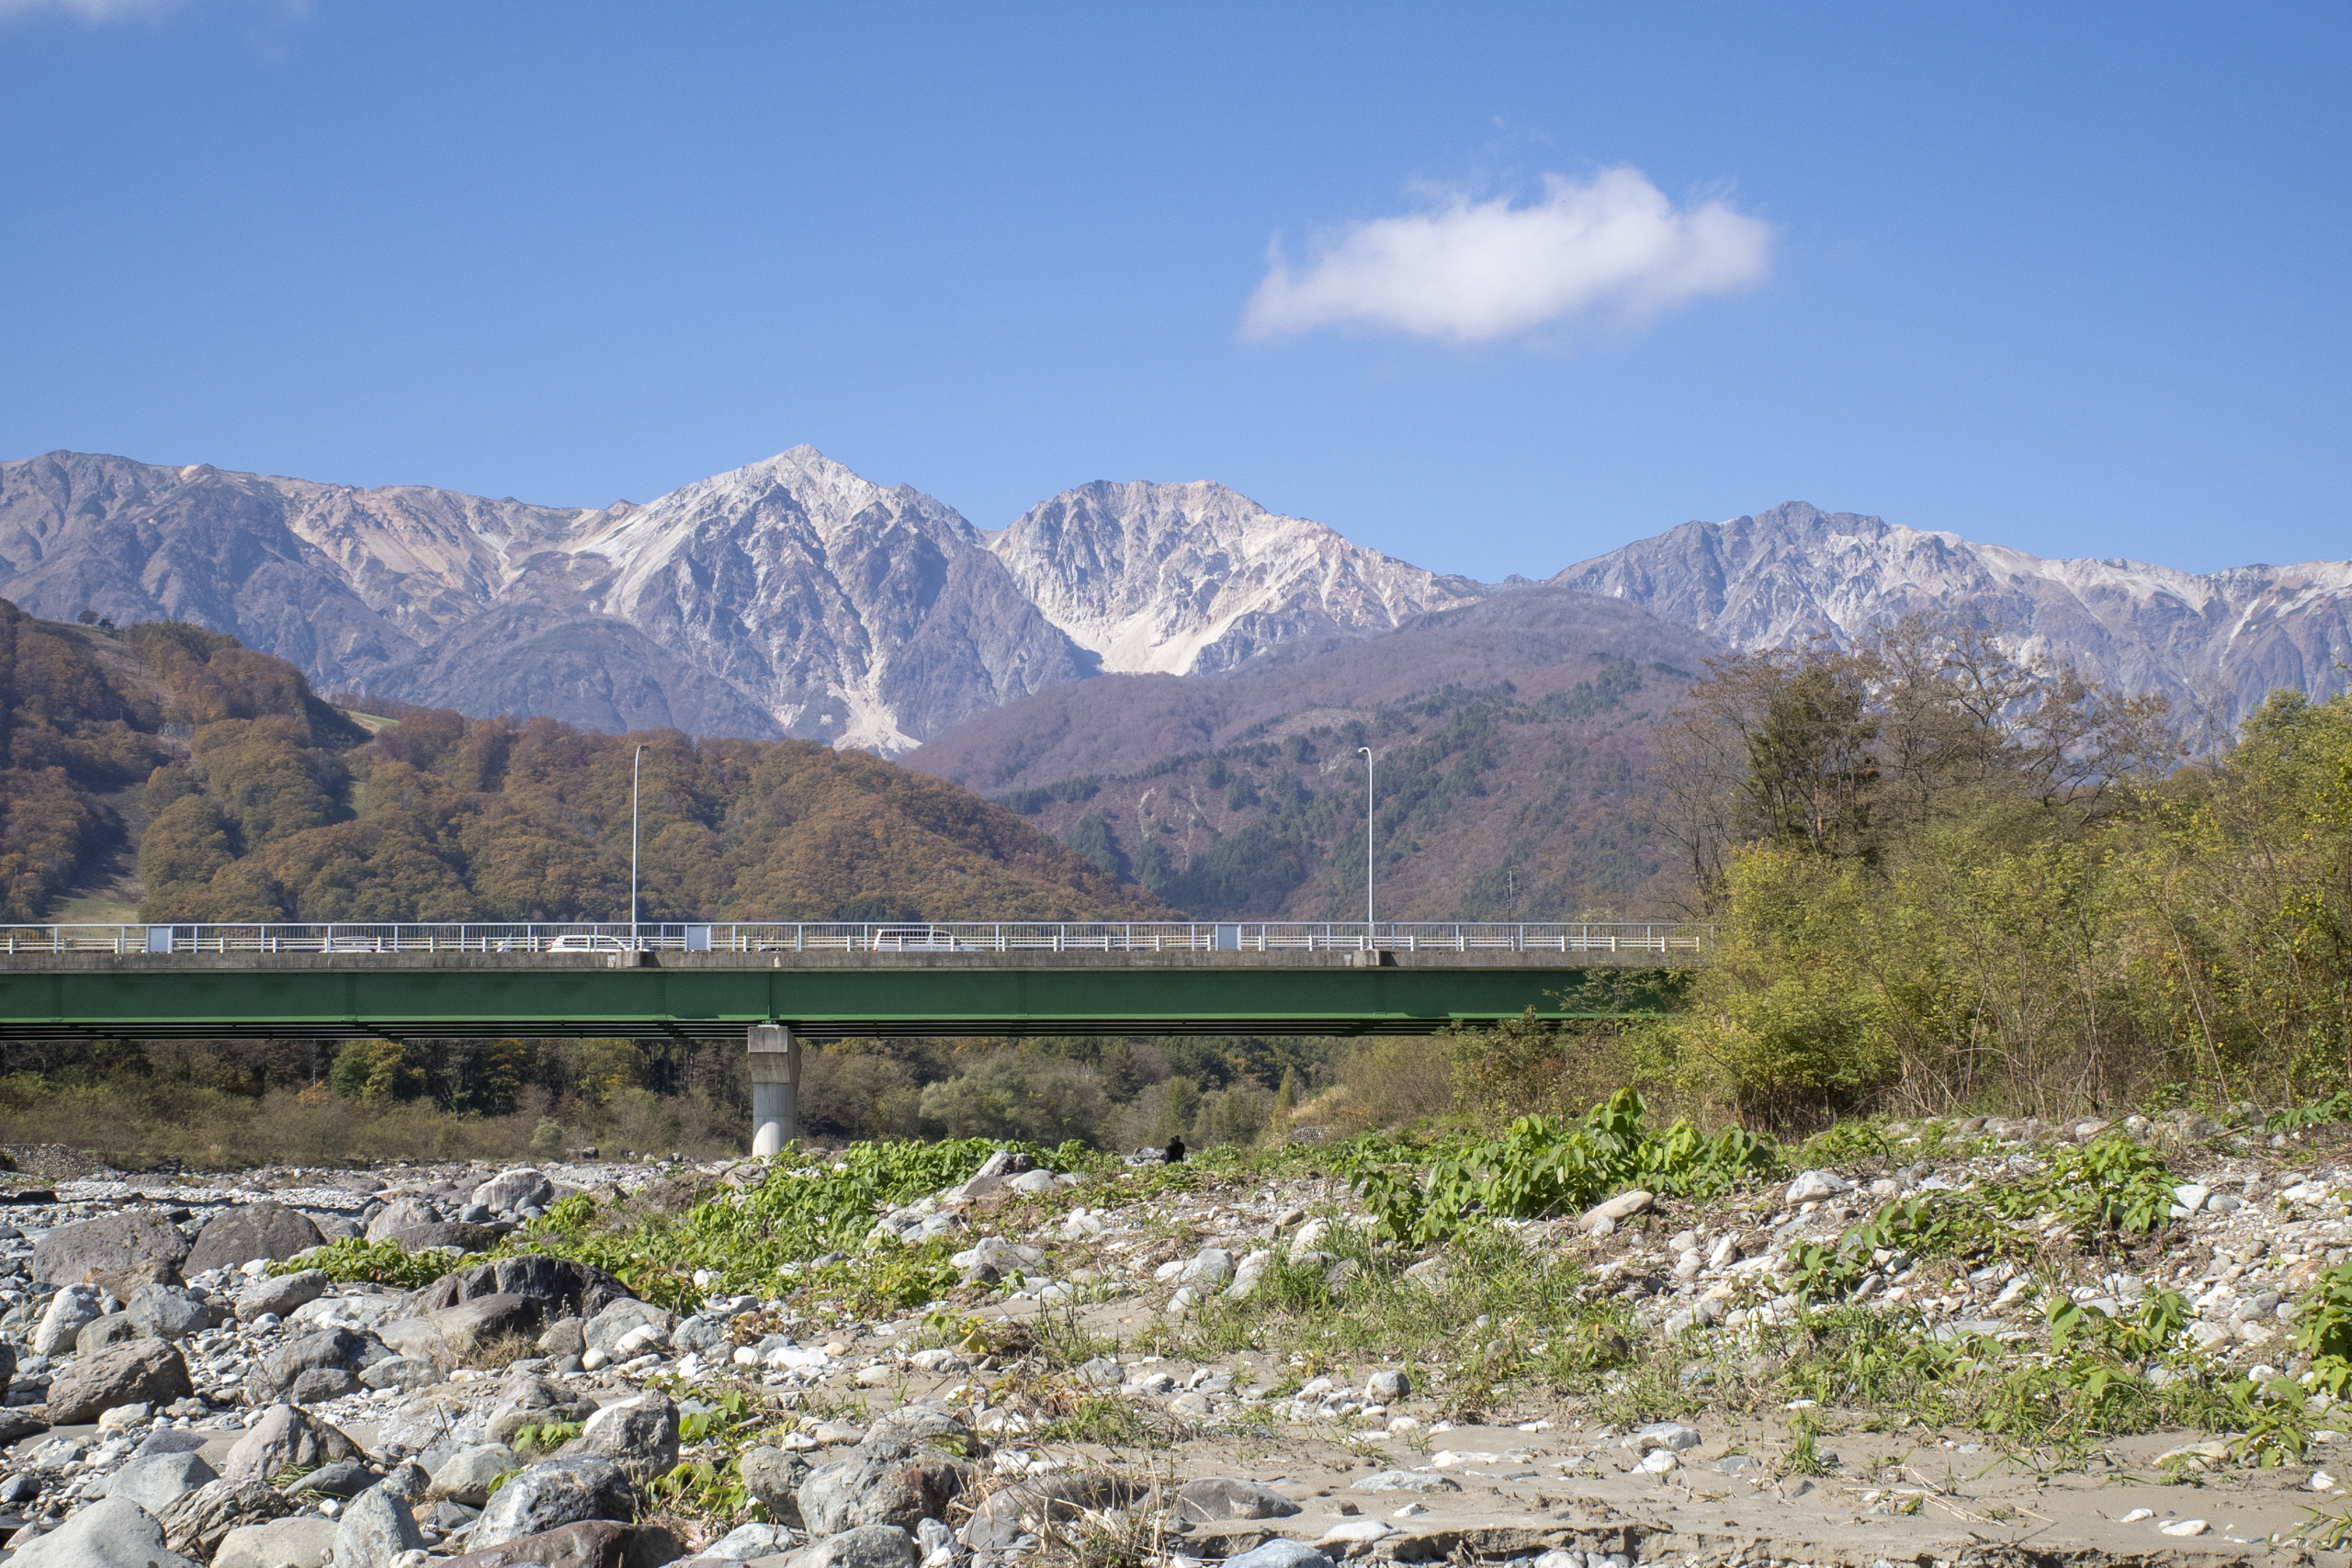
1196	579
1778	577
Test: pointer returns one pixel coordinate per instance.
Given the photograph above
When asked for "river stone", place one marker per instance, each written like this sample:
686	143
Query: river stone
1221	1498
170	1312
236	1237
773	1477
556	1491
611	1324
145	1372
867	1546
60	1324
305	1540
400	1214
345	1478
273	1377
449	1336
195	1525
568	1288
373	1529
115	1533
745	1543
1279	1555
157	1478
318	1385
465	1476
105	1333
285	1437
518	1189
600	1543
1811	1185
281	1293
170	1440
118	1252
1403	1481
888	1485
639	1435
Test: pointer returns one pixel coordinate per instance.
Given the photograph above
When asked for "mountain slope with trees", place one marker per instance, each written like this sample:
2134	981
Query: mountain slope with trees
245	797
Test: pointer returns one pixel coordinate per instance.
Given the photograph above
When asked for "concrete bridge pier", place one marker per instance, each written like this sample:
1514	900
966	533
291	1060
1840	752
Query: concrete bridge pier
775	1087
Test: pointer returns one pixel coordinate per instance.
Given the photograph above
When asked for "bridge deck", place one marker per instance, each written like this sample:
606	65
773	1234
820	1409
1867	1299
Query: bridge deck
832	994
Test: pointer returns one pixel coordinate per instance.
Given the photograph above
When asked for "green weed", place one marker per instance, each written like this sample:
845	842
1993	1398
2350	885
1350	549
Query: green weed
354	1261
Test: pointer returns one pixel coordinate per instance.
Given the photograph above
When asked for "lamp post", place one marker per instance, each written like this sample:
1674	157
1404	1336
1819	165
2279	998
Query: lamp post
637	763
1365	751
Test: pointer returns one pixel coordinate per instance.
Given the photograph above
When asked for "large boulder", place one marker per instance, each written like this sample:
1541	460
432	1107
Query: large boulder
284	1438
518	1189
564	1490
281	1293
568	1288
195	1525
160	1479
598	1543
867	1546
466	1476
895	1483
304	1541
400	1214
143	1371
116	1533
616	1323
69	1312
639	1435
234	1237
342	1350
118	1252
450	1336
171	1312
104	1332
373	1529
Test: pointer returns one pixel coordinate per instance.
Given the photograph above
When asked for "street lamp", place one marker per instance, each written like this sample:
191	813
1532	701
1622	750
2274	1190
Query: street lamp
1365	751
633	770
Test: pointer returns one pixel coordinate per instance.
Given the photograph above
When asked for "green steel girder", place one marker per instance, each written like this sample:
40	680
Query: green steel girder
716	997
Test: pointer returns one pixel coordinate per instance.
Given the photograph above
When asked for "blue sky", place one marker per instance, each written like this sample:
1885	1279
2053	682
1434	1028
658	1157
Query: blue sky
1552	277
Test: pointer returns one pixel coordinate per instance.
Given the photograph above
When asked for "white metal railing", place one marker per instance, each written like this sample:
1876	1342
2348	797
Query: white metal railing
871	936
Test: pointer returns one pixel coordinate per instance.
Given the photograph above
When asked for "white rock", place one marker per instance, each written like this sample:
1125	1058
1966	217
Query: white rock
2183	1526
1623	1206
1811	1185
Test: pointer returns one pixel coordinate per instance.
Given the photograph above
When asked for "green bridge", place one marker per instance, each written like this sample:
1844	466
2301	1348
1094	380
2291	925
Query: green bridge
776	985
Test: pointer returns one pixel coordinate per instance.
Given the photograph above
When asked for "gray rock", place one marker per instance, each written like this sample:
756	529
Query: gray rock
698	1334
285	1437
1672	1436
614	1323
639	1435
344	1478
105	1333
867	1546
115	1533
513	1189
910	1424
773	1477
234	1237
157	1478
746	1541
596	1544
195	1525
451	1336
373	1529
1223	1497
565	1337
274	1376
1811	1185
1623	1206
1386	1387
563	1287
1403	1481
1211	1267
400	1214
281	1293
171	1312
118	1252
1741	1464
403	1372
60	1324
145	1372
305	1540
895	1482
170	1440
465	1476
317	1385
1279	1555
557	1492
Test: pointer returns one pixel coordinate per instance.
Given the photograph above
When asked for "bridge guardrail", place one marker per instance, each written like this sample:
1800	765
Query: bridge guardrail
1663	938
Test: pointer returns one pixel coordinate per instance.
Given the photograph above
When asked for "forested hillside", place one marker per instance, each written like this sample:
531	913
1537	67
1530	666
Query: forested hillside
247	797
1946	880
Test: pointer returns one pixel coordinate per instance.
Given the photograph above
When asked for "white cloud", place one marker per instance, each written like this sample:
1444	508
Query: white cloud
1473	271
